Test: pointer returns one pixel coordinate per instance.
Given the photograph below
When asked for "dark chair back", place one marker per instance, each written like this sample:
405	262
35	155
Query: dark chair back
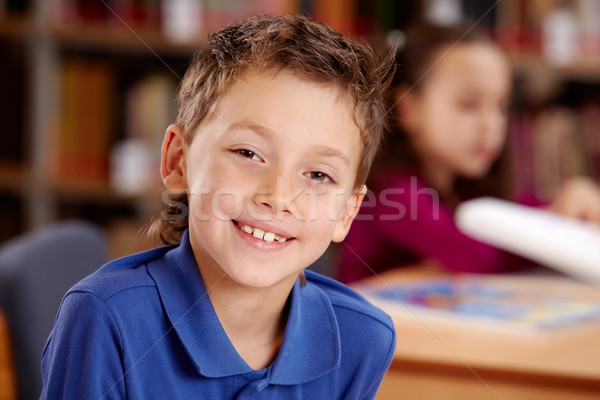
36	270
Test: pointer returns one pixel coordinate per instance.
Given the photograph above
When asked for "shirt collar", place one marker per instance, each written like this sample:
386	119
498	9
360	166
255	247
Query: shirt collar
311	345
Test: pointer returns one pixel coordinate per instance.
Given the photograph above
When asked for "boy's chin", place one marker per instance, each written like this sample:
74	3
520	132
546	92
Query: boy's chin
261	279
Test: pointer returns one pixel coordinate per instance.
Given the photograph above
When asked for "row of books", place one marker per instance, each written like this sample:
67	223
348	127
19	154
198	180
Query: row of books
182	19
89	126
553	144
563	32
152	14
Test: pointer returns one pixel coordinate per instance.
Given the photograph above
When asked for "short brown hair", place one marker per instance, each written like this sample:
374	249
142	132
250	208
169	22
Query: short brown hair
296	44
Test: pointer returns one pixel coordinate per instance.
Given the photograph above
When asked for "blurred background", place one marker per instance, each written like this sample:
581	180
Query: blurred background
87	89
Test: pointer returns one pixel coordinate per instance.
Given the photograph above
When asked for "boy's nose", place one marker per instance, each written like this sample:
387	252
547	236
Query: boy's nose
278	193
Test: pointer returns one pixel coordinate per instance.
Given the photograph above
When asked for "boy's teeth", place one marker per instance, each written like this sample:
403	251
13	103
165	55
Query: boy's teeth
260	234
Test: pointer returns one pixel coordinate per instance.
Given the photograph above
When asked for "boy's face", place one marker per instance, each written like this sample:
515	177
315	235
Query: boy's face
270	177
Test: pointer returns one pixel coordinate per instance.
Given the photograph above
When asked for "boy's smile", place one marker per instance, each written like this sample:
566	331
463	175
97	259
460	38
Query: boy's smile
270	177
264	239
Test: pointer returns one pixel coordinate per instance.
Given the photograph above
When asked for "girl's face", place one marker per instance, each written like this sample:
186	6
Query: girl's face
457	119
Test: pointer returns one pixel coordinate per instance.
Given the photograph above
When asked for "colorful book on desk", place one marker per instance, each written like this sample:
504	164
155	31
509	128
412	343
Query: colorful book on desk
518	303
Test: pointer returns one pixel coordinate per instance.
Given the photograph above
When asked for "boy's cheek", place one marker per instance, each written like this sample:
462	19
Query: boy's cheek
225	204
321	212
338	202
208	204
230	204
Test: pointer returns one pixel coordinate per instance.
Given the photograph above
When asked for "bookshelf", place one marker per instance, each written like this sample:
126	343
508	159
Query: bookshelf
529	65
554	47
94	66
62	91
88	80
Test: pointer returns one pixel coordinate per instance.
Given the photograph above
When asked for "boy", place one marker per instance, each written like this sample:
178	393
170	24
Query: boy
279	119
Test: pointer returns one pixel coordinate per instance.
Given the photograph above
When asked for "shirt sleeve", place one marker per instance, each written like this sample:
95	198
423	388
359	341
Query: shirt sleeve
82	358
378	378
416	221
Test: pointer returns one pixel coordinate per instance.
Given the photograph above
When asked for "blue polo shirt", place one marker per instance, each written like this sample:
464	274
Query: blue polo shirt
143	327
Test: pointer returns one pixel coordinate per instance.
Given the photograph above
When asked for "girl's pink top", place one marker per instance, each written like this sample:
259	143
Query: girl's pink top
403	221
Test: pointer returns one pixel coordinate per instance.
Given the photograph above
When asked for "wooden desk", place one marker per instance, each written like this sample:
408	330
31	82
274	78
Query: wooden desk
8	383
437	359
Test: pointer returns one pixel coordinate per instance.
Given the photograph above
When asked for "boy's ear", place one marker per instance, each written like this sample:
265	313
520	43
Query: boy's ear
350	210
172	159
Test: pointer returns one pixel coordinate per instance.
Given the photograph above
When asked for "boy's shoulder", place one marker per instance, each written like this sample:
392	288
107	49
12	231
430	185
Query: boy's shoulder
346	300
121	274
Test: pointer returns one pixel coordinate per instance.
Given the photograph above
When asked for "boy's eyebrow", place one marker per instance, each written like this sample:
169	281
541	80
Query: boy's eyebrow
331	152
320	150
258	129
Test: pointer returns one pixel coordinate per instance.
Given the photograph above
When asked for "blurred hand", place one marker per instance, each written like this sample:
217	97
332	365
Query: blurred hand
578	198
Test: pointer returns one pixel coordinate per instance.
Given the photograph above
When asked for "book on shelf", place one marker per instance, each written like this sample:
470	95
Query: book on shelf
82	12
590	117
12	103
149	109
559	150
517	28
340	15
588	13
144	14
521	151
81	141
552	145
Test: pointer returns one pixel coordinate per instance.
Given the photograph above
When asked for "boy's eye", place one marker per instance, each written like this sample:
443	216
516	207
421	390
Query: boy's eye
248	154
319	176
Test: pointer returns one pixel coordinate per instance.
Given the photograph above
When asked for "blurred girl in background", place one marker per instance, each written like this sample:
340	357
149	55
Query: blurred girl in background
452	89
